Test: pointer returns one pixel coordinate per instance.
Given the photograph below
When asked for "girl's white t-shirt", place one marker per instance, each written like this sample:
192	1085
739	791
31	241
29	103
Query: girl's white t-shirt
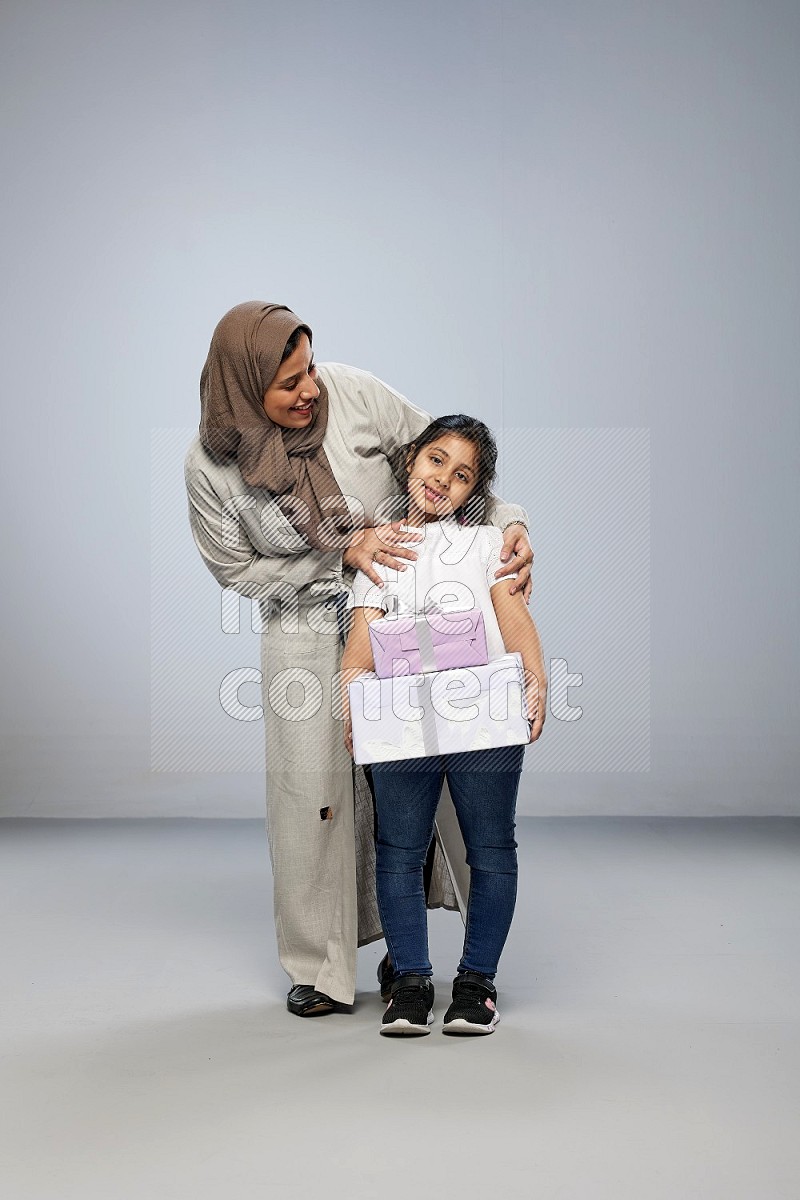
454	570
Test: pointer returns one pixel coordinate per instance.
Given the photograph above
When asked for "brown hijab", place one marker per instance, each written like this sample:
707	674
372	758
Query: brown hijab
243	359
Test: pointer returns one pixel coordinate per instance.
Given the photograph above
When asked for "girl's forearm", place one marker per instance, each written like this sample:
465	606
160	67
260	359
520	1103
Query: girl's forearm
519	633
348	672
529	646
357	657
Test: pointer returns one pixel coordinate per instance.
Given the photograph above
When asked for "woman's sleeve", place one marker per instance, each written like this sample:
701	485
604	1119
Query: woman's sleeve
235	563
396	419
500	513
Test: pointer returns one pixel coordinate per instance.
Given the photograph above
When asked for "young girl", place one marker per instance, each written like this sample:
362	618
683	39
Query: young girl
449	468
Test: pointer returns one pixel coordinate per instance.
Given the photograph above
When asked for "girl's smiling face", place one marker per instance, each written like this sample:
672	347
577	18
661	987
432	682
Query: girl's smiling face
442	476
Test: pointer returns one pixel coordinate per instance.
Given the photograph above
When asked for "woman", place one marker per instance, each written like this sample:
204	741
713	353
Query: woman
290	492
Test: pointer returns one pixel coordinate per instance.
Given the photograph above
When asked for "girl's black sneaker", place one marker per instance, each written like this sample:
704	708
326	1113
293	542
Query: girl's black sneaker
408	1013
474	1007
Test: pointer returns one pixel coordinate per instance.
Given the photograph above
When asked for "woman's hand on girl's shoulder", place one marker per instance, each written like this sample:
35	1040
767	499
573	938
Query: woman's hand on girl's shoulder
517	554
379	545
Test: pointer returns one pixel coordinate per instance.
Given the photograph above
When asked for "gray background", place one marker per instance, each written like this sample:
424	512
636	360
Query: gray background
572	216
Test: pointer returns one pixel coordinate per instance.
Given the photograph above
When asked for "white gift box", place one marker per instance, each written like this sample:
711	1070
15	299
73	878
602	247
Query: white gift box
444	712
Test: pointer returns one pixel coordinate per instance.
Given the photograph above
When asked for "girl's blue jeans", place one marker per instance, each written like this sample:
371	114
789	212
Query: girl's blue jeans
483	785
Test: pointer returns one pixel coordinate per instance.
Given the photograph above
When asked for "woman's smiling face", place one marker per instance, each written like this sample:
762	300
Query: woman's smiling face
290	400
442	476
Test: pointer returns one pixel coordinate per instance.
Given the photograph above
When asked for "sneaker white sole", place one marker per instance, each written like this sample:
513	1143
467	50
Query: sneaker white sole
403	1028
461	1028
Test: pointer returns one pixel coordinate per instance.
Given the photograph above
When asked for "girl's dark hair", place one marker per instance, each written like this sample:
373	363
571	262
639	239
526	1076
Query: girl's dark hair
473	512
294	340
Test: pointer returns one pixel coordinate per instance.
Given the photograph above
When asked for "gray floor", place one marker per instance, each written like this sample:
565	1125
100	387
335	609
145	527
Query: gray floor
649	1047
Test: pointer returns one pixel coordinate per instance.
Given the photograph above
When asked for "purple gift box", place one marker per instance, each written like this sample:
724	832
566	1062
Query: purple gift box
433	641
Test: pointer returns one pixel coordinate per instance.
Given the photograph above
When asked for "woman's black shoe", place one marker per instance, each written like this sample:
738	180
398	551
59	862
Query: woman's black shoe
305	1001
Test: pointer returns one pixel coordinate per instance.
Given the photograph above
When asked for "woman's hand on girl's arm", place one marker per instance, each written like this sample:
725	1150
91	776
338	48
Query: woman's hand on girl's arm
521	636
517	554
368	546
356	660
